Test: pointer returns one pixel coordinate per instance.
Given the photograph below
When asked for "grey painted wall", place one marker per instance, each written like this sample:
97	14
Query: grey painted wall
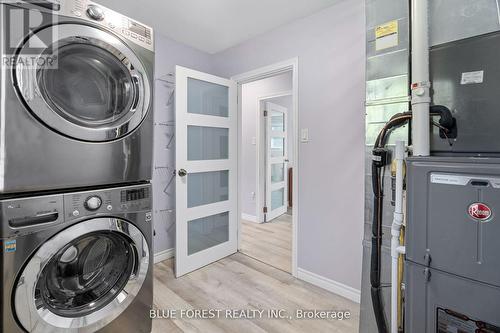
168	54
330	46
251	93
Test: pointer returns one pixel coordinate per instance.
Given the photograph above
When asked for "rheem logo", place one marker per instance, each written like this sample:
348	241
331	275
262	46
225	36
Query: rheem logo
479	211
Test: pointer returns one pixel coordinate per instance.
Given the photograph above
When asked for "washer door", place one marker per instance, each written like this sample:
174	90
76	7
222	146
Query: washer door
93	88
82	278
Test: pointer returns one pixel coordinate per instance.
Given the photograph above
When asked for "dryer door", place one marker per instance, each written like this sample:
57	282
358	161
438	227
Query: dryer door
82	278
86	83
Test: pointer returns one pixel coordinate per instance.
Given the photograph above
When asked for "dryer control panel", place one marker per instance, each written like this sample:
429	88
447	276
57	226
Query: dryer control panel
122	25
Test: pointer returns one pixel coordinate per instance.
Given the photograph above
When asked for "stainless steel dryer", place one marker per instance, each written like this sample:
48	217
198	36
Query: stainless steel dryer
77	262
81	113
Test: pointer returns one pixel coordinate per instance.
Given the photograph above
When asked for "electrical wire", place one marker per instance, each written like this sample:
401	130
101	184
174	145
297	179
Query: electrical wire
445	132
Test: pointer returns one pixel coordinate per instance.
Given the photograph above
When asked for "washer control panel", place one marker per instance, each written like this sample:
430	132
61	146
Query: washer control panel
20	216
122	25
117	200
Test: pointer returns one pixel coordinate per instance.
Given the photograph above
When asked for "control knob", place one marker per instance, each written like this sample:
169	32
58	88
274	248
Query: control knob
95	12
93	203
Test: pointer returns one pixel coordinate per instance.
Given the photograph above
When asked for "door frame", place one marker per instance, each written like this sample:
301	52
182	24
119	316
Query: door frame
255	75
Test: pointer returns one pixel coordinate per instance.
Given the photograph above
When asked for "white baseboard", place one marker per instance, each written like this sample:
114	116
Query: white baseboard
164	255
330	285
248	217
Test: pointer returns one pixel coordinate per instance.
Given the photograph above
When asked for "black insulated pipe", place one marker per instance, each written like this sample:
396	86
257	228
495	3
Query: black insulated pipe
446	118
396	121
380	159
375	266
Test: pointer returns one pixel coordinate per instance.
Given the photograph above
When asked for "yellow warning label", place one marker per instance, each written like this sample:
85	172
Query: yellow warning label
387	29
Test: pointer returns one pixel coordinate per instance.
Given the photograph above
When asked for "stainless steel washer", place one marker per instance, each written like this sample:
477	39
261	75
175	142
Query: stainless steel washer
84	117
77	262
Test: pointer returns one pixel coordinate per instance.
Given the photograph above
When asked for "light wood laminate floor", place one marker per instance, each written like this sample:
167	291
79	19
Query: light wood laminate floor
270	242
239	282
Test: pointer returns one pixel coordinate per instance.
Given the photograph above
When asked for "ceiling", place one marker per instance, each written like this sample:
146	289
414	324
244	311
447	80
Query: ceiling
215	25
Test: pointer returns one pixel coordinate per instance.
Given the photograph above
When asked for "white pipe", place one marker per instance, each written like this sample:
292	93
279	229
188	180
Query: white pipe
397	222
420	95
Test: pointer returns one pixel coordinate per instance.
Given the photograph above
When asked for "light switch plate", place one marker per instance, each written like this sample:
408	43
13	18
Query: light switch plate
304	135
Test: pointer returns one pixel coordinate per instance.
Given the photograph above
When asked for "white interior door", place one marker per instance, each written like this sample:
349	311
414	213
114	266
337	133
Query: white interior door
206	166
276	161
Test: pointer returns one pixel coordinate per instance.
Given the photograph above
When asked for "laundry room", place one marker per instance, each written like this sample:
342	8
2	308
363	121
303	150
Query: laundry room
249	166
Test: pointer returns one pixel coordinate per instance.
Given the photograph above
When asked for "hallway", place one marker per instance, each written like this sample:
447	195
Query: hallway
270	242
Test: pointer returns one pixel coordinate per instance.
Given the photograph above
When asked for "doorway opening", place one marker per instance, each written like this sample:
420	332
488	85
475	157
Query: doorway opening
267	162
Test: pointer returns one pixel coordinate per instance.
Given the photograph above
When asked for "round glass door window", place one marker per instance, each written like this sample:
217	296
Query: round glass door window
82	278
89	86
86	274
95	88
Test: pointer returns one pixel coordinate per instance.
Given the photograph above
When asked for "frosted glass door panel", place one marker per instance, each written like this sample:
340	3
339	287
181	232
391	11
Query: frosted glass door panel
207	187
277	198
207	143
207	232
277	121
277	173
207	98
277	147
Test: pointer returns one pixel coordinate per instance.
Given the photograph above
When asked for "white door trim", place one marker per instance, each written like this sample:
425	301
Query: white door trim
258	74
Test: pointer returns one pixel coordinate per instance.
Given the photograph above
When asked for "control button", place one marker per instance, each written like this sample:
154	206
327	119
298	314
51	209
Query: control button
77	13
95	12
76	213
109	207
141	39
149	217
93	203
148	41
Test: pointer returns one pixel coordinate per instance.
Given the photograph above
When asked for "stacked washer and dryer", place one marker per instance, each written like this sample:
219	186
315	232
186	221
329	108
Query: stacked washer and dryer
75	165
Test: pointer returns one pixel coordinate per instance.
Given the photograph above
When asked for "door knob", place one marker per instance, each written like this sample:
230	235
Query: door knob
182	173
